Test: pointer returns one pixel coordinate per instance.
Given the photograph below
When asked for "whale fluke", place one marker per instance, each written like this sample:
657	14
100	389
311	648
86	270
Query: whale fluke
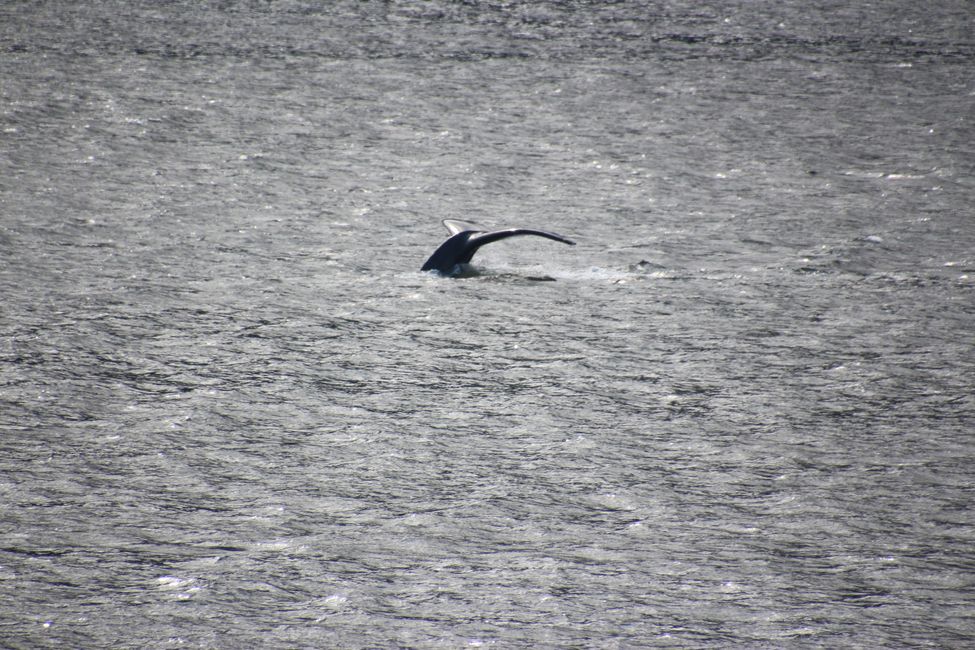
465	238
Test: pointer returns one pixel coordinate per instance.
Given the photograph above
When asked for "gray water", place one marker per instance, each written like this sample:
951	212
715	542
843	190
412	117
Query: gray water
740	413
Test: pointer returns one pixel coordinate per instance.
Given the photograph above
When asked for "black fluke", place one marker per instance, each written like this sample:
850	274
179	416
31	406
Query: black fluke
466	238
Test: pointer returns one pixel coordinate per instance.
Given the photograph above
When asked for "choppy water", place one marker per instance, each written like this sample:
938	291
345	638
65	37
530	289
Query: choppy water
738	414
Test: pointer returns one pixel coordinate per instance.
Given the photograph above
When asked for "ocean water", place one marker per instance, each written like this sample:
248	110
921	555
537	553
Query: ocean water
739	413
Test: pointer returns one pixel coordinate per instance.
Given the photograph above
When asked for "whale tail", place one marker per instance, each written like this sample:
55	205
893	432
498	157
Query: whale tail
455	226
466	238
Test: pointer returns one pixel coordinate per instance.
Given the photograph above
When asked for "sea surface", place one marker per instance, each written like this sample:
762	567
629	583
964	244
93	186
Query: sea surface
740	413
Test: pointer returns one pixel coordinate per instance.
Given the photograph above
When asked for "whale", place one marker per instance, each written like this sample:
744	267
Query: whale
465	240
